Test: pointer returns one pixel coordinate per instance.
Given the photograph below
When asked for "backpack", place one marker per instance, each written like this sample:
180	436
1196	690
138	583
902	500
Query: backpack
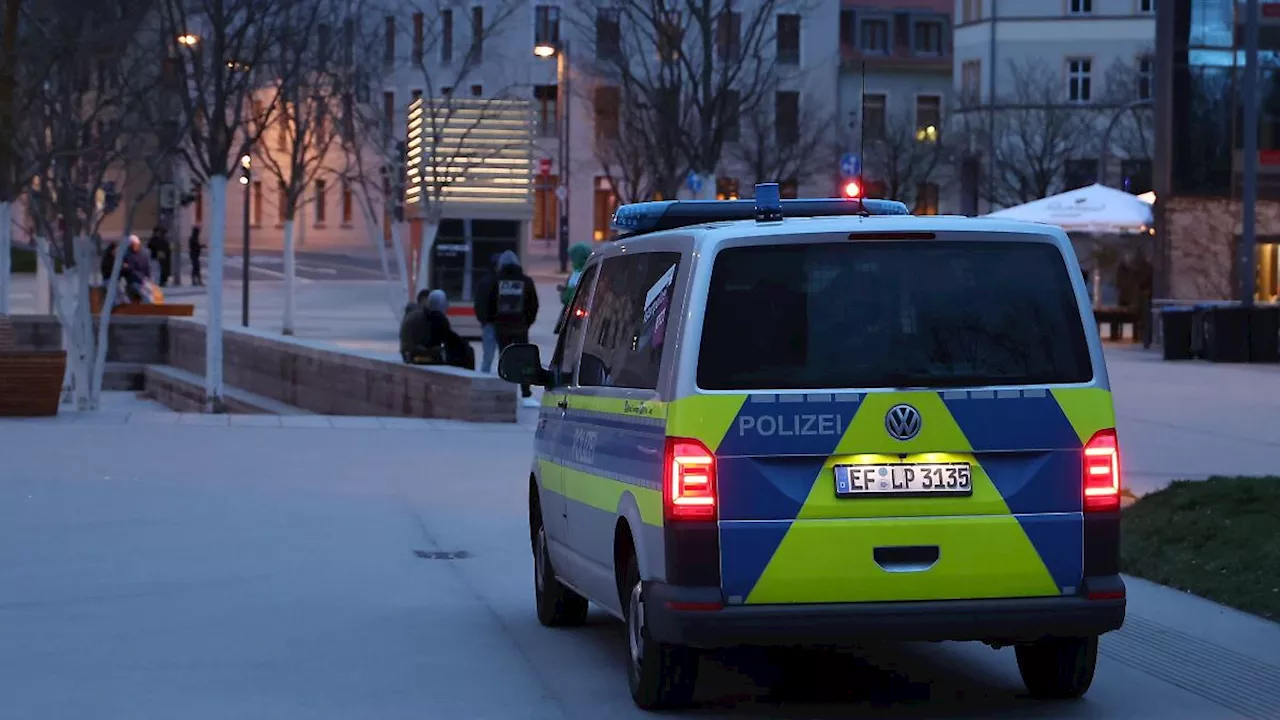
510	305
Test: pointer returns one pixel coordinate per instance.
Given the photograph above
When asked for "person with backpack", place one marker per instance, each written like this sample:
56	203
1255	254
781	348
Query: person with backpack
513	307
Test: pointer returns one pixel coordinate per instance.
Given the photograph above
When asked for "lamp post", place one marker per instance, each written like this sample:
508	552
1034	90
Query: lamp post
560	49
245	177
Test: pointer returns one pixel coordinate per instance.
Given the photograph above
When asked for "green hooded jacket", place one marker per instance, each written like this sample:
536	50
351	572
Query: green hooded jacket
578	255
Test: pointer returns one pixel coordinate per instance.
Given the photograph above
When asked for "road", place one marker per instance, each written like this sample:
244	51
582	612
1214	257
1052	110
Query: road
155	567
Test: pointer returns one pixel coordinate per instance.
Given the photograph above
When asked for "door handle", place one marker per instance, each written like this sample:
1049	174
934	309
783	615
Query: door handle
906	559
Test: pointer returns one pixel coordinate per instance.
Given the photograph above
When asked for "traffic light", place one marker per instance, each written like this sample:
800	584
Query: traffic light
851	189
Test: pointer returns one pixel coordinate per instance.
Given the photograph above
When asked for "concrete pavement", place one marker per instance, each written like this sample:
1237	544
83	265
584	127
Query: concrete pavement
153	570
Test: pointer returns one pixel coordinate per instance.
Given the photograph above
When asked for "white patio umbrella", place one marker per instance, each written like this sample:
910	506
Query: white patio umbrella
1095	209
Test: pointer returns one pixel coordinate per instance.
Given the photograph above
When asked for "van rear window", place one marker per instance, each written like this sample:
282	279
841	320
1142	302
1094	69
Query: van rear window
891	314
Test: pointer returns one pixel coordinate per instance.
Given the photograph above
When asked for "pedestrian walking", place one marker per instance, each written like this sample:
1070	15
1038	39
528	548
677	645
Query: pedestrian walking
194	249
488	336
161	253
513	303
578	255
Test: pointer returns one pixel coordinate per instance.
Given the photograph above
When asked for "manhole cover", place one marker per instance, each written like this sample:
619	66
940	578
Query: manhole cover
442	554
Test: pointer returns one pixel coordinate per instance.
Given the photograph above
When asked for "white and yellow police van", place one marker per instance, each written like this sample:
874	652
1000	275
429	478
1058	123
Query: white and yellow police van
822	422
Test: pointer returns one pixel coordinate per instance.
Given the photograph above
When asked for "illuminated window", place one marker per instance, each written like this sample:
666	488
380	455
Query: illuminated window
928	118
726	188
605	203
926	199
546	208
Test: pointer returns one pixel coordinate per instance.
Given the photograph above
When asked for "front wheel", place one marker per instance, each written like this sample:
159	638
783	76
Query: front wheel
558	606
659	675
1058	668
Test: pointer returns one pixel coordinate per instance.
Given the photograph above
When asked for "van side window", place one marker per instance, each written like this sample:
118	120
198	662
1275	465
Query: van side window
571	325
627	327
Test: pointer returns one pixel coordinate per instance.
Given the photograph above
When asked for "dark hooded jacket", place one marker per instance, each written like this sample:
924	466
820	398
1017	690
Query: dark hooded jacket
513	299
426	336
483	289
578	254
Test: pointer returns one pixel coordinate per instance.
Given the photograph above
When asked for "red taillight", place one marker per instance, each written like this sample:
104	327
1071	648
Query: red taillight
1102	472
689	492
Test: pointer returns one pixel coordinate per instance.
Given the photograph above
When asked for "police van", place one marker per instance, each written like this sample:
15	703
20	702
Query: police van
821	422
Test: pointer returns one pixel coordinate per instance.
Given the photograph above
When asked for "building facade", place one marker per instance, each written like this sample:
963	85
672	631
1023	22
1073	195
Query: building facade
1071	79
1199	172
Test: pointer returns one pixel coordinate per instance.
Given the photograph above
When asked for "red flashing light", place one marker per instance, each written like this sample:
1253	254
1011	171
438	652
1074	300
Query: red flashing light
689	490
852	189
1102	472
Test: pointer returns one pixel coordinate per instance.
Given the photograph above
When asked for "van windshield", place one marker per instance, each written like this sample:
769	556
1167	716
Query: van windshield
876	314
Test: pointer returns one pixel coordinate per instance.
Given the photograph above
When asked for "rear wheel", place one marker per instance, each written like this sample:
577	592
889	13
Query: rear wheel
1058	668
660	675
558	606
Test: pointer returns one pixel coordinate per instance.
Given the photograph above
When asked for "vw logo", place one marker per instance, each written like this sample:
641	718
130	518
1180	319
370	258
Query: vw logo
902	422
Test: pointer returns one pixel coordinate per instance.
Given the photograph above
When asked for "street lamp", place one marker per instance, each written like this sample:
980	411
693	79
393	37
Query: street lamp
560	50
246	173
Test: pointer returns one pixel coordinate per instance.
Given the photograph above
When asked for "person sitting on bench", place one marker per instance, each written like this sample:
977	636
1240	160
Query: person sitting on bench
427	338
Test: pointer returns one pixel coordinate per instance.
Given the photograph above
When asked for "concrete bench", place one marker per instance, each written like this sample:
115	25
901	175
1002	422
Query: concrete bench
183	391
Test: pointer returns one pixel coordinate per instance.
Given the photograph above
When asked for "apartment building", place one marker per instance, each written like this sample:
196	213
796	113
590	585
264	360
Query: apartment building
1046	56
894	94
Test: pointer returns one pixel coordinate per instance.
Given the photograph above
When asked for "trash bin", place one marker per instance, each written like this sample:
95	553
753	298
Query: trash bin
1175	329
1264	334
1226	337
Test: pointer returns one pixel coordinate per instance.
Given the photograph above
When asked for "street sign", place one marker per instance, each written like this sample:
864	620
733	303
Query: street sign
168	196
544	166
850	165
561	192
694	182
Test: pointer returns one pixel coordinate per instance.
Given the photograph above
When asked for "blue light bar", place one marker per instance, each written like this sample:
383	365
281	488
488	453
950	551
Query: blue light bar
646	217
768	203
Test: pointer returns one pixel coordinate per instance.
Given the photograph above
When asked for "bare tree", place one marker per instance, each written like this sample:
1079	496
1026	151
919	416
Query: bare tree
1129	90
225	54
698	63
774	151
902	156
1033	133
88	136
309	98
633	149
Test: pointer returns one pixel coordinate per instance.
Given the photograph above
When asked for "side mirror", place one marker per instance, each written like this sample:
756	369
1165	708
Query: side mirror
522	364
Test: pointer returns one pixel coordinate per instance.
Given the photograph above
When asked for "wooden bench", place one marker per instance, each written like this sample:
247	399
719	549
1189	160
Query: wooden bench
97	296
1116	318
30	380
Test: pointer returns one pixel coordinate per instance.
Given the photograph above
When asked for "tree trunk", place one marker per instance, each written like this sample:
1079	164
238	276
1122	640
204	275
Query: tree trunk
708	191
6	245
71	304
393	295
99	367
402	261
289	272
213	323
430	229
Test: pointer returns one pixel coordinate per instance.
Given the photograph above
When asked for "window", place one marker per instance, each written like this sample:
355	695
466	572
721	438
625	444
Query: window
256	205
608	34
627	322
1146	6
891	314
728	35
546	208
928	118
348	117
389	46
446	36
604	204
971	82
282	202
1079	173
324	38
607	102
573	321
320	214
418	31
727	188
670	35
788	39
928	38
926	199
875	36
477	91
477	34
348	202
971	11
873	115
848	29
1135	176
1146	73
546	120
198	203
389	109
786	115
1079	80
546	25
348	42
1079	7
731	111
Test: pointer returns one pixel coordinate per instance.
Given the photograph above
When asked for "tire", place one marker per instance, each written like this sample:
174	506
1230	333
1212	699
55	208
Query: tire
558	606
1058	668
659	675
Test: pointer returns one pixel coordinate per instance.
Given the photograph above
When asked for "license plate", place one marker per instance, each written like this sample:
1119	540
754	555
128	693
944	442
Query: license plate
903	479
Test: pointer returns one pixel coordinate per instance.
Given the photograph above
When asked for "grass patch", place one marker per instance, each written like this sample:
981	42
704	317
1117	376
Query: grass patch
1218	538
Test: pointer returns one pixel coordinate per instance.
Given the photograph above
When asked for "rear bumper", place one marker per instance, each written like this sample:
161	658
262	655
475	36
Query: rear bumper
682	616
